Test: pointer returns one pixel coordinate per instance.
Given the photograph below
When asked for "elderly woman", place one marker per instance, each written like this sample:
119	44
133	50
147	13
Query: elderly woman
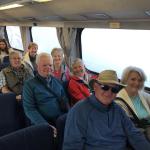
133	93
78	87
60	70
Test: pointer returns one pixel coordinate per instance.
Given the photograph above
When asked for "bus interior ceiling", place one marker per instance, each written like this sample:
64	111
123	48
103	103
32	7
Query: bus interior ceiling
79	13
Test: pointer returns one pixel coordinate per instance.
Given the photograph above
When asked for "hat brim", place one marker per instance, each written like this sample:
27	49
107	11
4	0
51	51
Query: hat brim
105	82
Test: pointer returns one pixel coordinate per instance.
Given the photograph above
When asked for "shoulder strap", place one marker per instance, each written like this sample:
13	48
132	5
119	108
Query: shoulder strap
137	120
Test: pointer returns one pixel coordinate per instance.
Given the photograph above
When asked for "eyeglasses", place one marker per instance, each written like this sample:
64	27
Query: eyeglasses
114	90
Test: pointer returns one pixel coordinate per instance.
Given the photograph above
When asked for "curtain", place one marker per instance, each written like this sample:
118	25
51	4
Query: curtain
67	38
2	32
25	35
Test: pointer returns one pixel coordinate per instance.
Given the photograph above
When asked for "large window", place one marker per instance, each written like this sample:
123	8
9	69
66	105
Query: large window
46	38
116	49
14	36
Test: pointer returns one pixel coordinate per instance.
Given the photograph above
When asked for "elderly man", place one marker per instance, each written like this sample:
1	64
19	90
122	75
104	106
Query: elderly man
13	76
98	123
29	59
44	95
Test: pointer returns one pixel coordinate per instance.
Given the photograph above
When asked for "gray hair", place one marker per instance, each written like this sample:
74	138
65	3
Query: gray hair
12	53
43	54
60	50
76	61
127	71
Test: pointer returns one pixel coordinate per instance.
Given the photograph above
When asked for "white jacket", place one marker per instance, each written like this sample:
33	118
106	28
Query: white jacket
144	97
28	64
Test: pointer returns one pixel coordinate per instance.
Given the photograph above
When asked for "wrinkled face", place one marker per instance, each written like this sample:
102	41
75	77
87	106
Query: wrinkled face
105	93
134	82
33	51
78	69
57	58
15	60
44	66
2	45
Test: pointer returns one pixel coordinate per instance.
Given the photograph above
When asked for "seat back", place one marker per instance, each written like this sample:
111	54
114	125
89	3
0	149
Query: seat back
8	114
36	137
5	63
60	125
6	60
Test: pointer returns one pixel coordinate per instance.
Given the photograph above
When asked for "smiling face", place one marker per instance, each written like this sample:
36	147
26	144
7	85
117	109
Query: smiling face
33	50
15	59
105	96
134	83
44	66
78	69
57	57
2	45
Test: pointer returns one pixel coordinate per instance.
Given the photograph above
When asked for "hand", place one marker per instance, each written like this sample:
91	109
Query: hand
54	131
5	90
18	97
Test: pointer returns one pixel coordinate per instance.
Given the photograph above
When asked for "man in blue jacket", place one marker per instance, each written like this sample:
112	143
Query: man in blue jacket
44	94
97	123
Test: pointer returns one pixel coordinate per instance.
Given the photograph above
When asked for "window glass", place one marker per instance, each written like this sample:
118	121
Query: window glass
46	38
116	49
14	36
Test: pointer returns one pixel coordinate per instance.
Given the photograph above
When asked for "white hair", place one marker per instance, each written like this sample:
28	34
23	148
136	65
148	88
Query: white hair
43	54
127	71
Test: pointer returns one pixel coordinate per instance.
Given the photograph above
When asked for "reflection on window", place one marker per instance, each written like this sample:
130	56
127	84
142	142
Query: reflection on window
14	36
46	38
116	49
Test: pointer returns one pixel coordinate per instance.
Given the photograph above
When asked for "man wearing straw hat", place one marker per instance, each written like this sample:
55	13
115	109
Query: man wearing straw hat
97	123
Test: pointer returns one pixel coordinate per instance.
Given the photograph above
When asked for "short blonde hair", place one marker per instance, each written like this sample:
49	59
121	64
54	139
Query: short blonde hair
60	50
127	71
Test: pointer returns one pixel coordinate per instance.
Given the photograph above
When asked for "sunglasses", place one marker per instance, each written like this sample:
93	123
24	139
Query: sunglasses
114	90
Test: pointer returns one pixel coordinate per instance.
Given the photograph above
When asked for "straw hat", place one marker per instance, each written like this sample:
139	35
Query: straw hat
107	76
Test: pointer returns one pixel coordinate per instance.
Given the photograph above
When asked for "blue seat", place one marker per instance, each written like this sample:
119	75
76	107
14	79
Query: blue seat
36	137
5	63
60	125
9	114
6	60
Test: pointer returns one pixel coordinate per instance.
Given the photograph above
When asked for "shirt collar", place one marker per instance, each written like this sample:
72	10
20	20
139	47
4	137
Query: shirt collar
97	104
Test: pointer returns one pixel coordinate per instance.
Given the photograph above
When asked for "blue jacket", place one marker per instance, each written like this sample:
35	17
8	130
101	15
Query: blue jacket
39	103
92	126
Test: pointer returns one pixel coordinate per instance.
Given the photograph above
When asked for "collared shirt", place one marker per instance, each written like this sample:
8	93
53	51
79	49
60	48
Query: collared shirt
13	78
140	109
19	73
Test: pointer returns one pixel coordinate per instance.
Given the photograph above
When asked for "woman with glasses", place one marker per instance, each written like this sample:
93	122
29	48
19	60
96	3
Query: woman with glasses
133	94
12	78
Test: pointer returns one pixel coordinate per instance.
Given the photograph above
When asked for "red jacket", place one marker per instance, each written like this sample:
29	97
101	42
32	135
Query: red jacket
77	89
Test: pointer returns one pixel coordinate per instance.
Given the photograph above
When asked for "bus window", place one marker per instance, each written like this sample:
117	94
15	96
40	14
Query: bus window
14	36
46	38
116	49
